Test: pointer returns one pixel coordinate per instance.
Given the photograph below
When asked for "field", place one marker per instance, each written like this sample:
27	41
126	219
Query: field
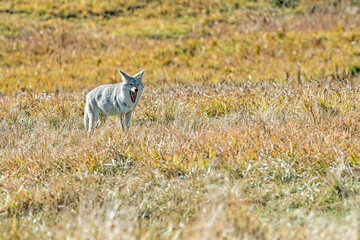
248	127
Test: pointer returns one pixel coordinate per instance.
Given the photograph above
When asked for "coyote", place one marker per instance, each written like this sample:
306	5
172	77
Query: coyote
113	99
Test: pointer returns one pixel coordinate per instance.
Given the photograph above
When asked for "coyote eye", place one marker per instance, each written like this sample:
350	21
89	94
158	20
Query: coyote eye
130	84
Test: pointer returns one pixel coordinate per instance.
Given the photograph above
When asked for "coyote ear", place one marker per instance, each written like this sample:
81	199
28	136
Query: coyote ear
124	76
139	75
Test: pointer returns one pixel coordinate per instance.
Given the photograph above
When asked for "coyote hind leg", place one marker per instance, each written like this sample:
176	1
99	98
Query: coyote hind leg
102	119
86	121
93	117
87	111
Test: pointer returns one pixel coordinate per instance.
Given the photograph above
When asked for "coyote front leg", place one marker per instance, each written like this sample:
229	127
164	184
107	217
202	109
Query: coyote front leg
121	117
128	118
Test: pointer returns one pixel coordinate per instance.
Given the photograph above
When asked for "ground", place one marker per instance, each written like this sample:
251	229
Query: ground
248	126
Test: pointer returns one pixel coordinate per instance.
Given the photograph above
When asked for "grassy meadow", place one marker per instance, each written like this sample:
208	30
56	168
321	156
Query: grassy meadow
248	127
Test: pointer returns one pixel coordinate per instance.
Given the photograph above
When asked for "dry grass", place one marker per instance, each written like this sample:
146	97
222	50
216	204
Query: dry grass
260	158
248	128
217	45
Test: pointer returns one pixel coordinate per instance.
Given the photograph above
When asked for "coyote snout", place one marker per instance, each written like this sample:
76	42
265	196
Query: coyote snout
113	99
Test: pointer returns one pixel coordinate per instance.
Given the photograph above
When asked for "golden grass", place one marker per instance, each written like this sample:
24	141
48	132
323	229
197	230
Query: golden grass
234	46
248	127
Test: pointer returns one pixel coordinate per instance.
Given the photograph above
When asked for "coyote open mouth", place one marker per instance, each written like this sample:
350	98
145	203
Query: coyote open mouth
133	96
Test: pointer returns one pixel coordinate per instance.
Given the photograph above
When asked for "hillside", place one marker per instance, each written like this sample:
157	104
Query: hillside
248	127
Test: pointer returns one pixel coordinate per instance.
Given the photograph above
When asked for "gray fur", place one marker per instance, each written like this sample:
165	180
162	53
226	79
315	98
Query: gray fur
113	99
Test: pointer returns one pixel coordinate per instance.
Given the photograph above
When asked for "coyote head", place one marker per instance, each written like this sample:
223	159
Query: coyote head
132	85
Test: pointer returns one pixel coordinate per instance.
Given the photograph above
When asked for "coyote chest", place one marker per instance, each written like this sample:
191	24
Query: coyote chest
115	104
